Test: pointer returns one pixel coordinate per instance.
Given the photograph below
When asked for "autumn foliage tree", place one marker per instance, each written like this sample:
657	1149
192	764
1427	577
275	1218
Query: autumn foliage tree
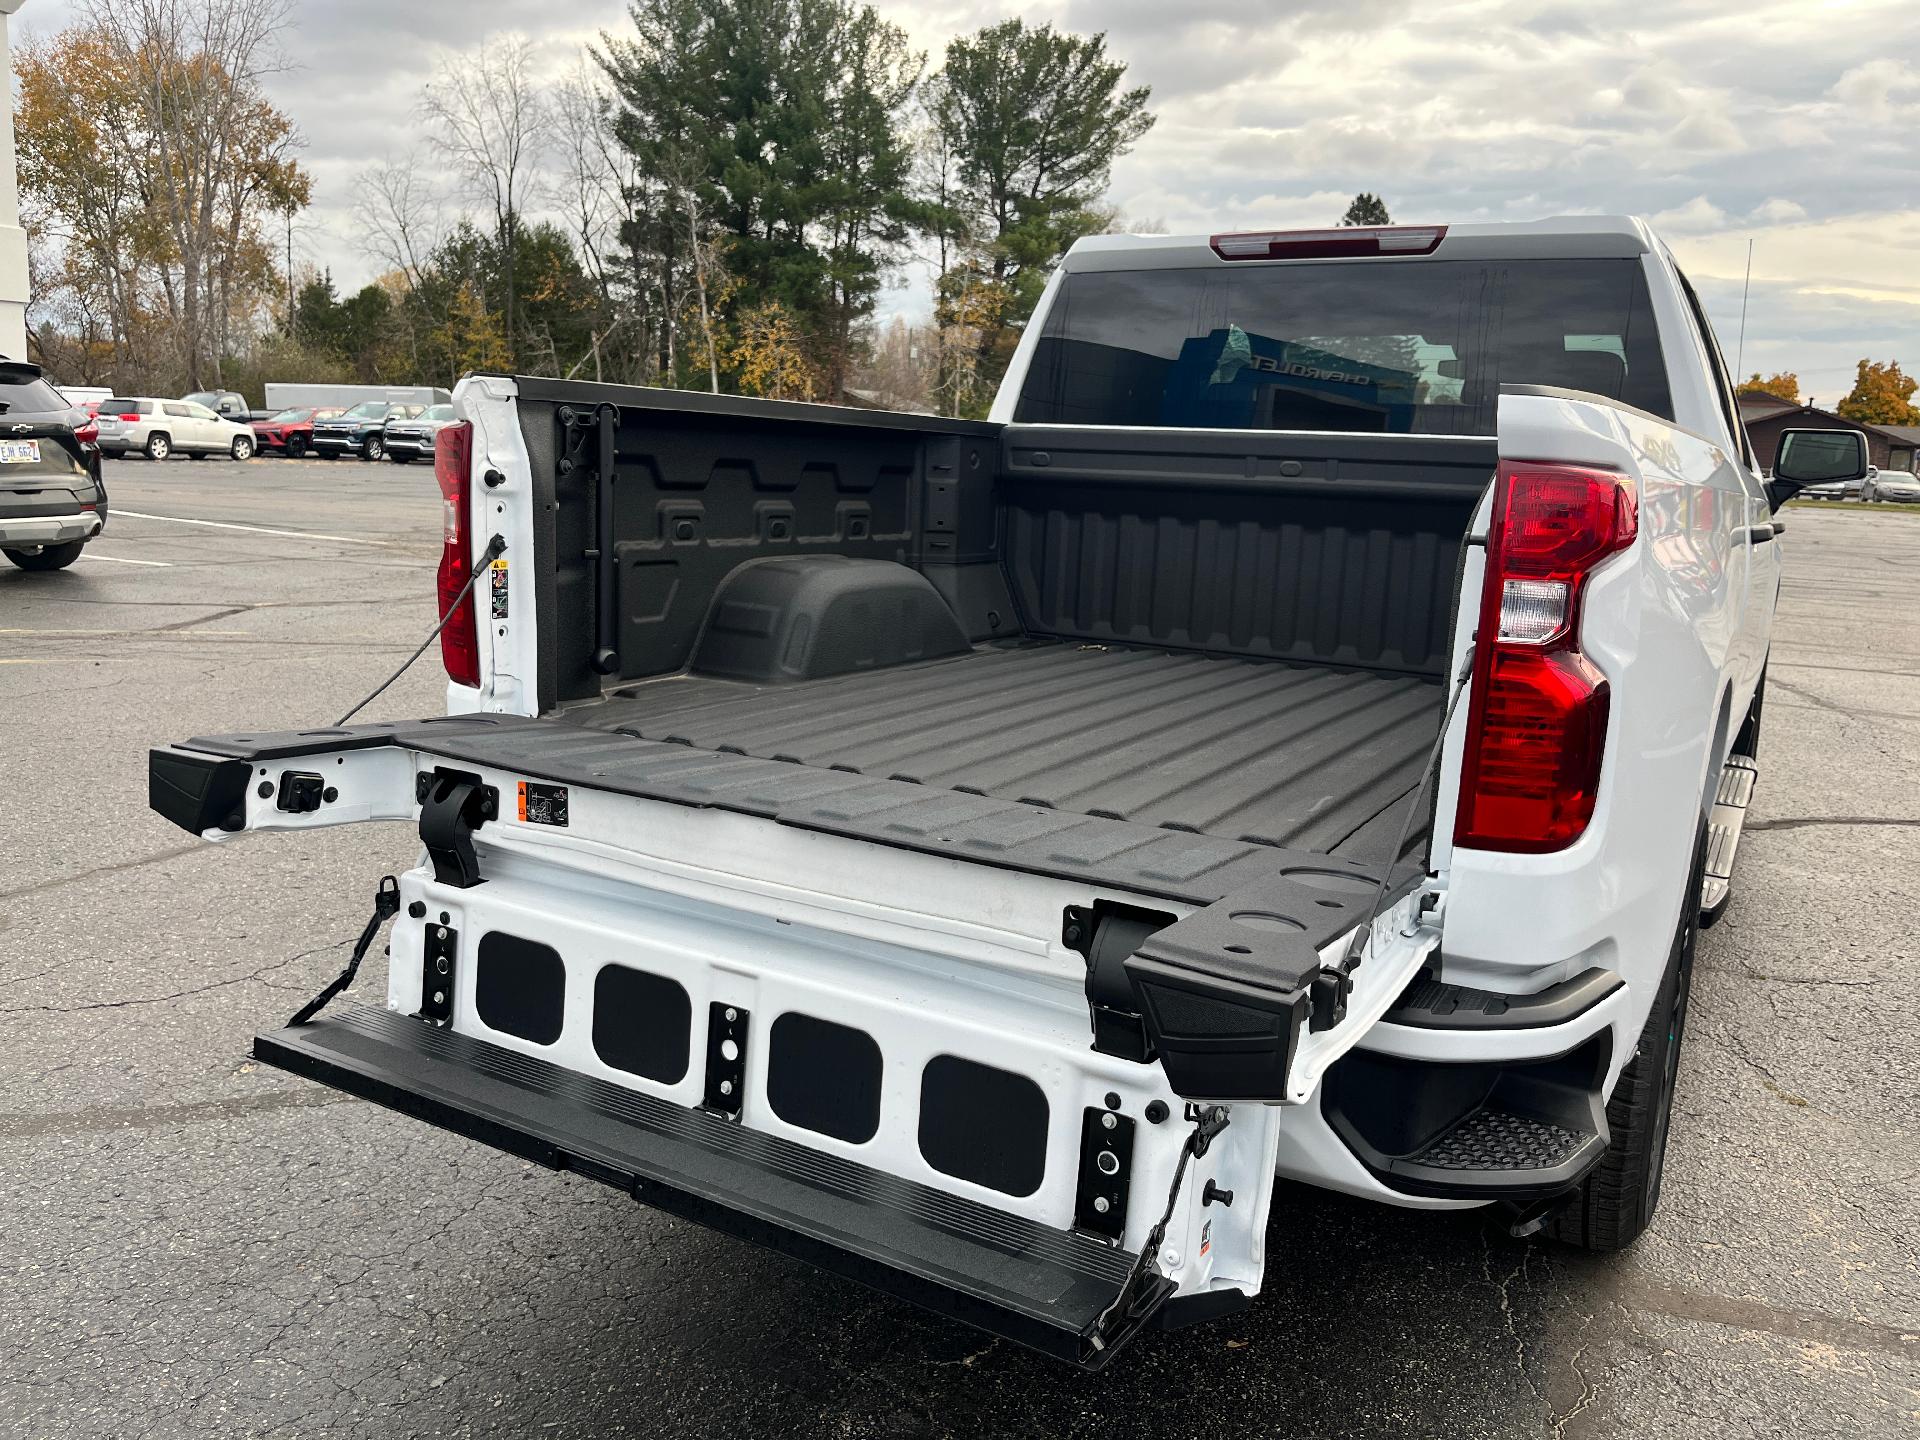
1882	394
1783	385
152	165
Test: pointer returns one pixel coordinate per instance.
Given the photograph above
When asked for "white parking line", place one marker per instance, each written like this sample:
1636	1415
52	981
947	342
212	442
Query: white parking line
258	530
122	560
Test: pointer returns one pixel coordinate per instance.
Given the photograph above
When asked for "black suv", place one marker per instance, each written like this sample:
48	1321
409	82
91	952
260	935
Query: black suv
360	431
52	499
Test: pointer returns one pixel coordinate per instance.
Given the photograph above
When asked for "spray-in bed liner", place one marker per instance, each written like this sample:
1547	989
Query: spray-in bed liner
1293	756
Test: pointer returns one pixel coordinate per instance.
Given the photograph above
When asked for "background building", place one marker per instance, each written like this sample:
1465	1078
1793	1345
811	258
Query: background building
1890	447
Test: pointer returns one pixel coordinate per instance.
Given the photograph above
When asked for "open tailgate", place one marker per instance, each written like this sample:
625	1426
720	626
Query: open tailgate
910	1103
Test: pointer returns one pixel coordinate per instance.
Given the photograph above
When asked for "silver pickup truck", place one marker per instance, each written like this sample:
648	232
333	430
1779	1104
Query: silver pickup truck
1298	735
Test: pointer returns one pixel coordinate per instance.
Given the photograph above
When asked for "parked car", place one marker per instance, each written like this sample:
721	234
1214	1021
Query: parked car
1293	734
1898	486
290	433
1835	491
53	499
159	428
411	439
361	430
228	404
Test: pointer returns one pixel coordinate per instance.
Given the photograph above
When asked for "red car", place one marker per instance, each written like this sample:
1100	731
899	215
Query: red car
290	433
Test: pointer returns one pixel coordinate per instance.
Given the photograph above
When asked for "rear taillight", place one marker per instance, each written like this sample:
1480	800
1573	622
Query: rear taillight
460	637
1537	725
1348	242
128	418
87	432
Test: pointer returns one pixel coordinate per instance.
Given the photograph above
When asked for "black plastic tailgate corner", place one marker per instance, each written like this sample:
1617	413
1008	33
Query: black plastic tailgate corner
198	792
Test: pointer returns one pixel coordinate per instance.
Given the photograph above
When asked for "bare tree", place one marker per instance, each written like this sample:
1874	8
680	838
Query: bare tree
594	172
488	116
706	248
199	65
400	216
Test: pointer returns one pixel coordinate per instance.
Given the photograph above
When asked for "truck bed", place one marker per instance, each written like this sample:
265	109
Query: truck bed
1295	756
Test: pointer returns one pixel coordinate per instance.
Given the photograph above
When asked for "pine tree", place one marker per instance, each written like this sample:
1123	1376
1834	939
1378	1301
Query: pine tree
1367	209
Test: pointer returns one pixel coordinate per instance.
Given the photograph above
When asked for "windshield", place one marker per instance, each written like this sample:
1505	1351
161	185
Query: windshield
367	410
1407	347
438	412
288	417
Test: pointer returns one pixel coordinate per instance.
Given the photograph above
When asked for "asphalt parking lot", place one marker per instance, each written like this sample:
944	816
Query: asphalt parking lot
191	1245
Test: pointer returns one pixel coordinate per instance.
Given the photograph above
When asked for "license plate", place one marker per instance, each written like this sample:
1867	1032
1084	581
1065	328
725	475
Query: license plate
19	452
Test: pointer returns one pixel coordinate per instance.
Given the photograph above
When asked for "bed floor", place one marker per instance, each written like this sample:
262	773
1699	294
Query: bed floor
1277	754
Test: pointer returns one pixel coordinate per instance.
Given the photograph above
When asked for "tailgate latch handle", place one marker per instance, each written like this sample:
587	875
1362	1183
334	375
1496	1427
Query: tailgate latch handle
453	804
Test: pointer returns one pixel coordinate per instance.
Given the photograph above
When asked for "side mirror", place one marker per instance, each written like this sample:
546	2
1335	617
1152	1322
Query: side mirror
1815	457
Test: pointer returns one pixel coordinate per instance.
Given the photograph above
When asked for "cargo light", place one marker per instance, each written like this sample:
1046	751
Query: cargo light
460	636
1344	243
1537	725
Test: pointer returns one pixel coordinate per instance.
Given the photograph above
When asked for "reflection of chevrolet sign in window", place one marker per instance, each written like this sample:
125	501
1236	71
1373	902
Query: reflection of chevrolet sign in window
1308	372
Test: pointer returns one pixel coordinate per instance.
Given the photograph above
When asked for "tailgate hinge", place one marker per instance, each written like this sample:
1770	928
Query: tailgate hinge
1105	935
453	804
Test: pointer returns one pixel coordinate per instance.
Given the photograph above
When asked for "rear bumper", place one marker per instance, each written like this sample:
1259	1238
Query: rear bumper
1461	1095
20	530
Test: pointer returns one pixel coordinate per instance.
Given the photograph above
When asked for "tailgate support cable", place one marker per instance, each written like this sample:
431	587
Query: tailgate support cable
1333	983
1145	1287
496	547
386	904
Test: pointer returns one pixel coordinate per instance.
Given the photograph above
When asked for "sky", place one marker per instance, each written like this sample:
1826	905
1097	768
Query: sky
1791	123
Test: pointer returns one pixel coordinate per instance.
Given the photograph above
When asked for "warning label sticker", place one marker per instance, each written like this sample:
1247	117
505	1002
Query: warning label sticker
543	804
500	588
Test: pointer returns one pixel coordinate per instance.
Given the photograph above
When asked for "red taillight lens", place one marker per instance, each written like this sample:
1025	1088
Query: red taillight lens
87	433
1557	522
130	418
460	637
1537	726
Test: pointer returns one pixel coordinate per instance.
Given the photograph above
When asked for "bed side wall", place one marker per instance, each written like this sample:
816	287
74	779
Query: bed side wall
1331	549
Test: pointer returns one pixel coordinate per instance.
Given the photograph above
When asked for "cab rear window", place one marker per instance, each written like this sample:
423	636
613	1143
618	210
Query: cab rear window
1396	347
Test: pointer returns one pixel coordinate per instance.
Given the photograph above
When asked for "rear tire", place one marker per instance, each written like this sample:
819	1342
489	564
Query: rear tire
242	448
47	557
159	446
1616	1202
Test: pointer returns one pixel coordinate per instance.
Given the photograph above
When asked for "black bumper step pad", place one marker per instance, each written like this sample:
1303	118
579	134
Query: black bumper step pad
1501	1140
1041	1287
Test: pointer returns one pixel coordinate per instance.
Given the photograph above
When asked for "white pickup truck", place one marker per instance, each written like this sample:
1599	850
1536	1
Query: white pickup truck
1299	735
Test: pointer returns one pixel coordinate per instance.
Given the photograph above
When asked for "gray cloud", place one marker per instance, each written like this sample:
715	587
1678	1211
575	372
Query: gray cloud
1778	118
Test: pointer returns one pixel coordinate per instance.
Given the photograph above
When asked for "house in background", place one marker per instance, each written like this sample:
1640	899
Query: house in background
1890	447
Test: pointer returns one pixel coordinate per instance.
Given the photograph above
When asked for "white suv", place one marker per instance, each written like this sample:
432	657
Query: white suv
157	428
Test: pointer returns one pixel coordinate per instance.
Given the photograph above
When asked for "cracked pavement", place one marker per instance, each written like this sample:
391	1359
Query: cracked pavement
191	1245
